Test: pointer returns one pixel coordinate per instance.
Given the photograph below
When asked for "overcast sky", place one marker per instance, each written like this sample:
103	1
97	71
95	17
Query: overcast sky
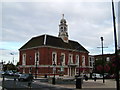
87	22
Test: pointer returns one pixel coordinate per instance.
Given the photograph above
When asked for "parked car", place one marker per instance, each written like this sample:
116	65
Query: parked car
1	73
97	75
8	73
17	74
25	77
112	76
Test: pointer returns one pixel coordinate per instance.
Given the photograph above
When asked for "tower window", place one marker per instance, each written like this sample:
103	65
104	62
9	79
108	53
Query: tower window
65	28
61	28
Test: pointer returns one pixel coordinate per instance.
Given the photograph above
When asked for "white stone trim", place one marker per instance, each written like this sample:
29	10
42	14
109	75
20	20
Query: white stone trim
45	39
71	50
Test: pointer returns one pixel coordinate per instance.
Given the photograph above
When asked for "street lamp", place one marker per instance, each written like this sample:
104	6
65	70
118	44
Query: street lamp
102	58
30	67
116	53
79	67
54	69
77	48
36	65
61	63
13	57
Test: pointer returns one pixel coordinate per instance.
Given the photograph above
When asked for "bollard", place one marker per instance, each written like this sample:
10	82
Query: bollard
14	84
53	80
29	85
95	78
78	83
45	75
86	78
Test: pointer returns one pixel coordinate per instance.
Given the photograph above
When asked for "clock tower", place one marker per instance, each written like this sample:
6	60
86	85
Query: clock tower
63	27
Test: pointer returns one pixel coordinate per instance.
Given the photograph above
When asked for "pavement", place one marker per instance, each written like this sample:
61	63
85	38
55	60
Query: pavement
91	85
109	84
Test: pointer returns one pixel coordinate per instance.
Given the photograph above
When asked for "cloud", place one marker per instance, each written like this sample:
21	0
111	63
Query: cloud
87	22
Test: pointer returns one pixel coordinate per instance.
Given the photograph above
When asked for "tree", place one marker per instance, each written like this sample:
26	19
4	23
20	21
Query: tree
9	66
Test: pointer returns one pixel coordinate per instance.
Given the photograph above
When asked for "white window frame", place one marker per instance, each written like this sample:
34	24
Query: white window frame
91	61
107	59
36	57
63	54
83	60
70	59
54	57
24	59
77	59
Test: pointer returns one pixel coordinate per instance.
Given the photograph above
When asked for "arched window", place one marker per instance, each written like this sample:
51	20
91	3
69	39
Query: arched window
37	58
54	58
83	60
77	59
62	59
24	59
70	59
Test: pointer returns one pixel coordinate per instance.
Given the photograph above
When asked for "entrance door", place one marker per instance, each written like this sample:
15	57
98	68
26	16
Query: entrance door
72	71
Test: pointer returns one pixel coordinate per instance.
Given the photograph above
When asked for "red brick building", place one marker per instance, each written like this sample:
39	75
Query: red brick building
48	54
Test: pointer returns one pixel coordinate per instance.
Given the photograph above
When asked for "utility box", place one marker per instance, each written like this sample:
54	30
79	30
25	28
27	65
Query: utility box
78	83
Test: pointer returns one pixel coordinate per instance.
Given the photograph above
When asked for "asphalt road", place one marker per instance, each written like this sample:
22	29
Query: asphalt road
16	85
10	84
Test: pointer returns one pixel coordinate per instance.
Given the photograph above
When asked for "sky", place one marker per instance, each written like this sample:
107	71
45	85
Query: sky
87	21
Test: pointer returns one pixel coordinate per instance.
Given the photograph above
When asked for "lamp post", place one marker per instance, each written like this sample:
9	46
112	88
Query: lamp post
13	57
36	65
79	68
30	69
102	58
77	48
54	69
116	52
61	63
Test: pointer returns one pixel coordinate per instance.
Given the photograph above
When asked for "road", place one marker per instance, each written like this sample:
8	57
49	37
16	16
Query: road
11	84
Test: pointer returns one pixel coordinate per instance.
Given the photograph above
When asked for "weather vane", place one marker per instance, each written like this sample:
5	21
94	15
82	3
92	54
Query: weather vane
62	15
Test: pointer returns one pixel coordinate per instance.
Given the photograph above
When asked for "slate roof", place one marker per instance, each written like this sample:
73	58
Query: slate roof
48	40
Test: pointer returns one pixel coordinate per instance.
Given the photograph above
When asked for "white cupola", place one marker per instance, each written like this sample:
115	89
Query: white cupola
63	28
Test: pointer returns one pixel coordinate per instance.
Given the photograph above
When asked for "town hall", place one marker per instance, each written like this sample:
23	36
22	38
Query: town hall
48	55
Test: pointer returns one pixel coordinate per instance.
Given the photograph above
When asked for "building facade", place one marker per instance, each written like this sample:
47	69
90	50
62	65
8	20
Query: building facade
50	55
